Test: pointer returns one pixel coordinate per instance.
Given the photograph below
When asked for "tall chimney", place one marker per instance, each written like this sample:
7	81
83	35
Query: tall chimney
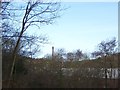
52	52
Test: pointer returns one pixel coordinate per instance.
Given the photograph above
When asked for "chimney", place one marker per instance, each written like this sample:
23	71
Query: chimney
52	52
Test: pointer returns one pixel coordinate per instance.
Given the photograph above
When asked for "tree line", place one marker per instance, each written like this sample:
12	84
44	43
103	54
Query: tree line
104	48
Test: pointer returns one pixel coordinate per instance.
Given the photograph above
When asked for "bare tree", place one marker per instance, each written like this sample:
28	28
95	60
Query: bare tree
78	54
60	53
34	13
75	55
96	54
106	48
70	56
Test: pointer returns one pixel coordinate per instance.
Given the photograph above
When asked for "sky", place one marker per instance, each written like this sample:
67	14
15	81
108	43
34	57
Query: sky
82	26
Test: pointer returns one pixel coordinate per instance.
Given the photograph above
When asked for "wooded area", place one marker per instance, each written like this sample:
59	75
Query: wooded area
61	69
42	73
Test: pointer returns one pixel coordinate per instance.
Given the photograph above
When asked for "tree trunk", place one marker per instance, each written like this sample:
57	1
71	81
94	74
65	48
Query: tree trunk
105	73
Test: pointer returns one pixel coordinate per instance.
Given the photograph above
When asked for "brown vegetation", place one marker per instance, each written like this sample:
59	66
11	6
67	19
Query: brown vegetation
40	73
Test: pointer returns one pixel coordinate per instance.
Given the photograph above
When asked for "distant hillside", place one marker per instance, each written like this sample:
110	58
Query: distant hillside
38	73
